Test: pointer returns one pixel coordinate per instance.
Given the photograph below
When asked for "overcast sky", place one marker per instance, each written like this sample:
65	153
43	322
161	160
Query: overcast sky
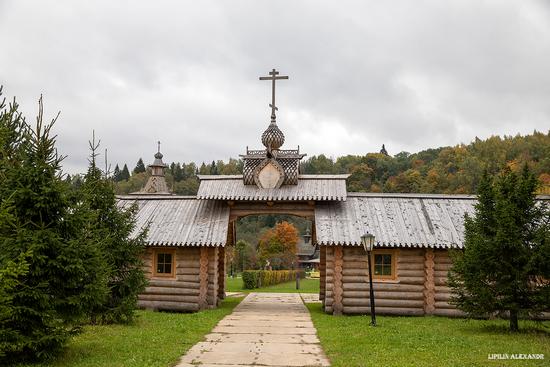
410	74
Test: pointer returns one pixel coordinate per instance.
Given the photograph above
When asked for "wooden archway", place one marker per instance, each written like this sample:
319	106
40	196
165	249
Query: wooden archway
304	209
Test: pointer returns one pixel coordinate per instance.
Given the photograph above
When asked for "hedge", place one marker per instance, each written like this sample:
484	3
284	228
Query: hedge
264	278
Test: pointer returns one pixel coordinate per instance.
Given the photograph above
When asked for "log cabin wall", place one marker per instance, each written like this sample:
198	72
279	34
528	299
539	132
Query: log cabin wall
407	298
221	274
442	264
213	263
203	278
195	266
338	281
402	296
418	288
322	273
429	281
329	283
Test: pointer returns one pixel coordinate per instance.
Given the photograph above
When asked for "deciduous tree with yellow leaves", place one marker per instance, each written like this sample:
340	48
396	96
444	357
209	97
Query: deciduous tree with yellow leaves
278	245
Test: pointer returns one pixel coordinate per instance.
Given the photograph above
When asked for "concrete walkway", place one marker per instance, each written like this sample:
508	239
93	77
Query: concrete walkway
265	329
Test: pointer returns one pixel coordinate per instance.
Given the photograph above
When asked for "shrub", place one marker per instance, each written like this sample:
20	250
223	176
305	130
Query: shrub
264	278
315	274
250	279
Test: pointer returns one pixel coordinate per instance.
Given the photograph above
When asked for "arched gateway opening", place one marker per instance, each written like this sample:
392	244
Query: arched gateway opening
187	237
275	211
273	242
297	200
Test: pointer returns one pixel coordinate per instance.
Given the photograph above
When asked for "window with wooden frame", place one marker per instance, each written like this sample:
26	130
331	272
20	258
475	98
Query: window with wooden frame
164	263
383	264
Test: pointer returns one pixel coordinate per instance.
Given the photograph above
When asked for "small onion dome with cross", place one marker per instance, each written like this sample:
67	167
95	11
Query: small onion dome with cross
273	138
156	184
158	166
272	167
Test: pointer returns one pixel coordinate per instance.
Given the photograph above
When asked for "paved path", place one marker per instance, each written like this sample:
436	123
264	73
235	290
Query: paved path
310	297
265	329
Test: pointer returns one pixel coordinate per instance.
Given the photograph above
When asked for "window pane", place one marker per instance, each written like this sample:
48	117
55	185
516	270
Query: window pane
164	263
383	265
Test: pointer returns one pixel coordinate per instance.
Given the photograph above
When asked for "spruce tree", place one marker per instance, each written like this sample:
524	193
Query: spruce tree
178	173
116	174
140	166
213	168
112	228
11	274
204	170
13	129
78	182
507	251
172	167
61	276
125	174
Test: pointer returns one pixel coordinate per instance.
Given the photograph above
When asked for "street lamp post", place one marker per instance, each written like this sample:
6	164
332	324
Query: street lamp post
307	238
367	240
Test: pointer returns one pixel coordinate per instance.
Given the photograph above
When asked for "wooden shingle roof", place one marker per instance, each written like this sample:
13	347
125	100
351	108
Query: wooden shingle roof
396	220
179	220
309	187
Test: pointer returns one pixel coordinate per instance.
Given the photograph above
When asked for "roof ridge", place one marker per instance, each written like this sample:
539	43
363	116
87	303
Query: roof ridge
301	176
156	197
411	195
423	195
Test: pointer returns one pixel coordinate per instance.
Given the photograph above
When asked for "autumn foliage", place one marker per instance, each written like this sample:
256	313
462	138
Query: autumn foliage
445	170
278	245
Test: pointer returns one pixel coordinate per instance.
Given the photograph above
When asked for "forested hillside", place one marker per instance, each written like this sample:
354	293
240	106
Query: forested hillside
450	170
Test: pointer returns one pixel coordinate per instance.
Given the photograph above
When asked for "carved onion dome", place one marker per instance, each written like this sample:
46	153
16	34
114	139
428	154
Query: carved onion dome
273	138
156	184
158	166
158	161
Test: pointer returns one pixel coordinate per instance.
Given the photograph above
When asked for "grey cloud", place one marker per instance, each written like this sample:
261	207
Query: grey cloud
412	75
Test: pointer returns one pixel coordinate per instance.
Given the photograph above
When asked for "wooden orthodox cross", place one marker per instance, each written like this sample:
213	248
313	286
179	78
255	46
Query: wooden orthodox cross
273	76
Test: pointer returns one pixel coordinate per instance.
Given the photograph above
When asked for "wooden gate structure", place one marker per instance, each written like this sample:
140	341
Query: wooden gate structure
187	236
185	258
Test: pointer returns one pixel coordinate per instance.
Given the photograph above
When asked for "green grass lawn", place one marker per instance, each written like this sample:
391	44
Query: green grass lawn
155	339
306	286
426	341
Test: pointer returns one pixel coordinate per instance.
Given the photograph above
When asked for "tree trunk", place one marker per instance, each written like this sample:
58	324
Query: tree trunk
514	320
